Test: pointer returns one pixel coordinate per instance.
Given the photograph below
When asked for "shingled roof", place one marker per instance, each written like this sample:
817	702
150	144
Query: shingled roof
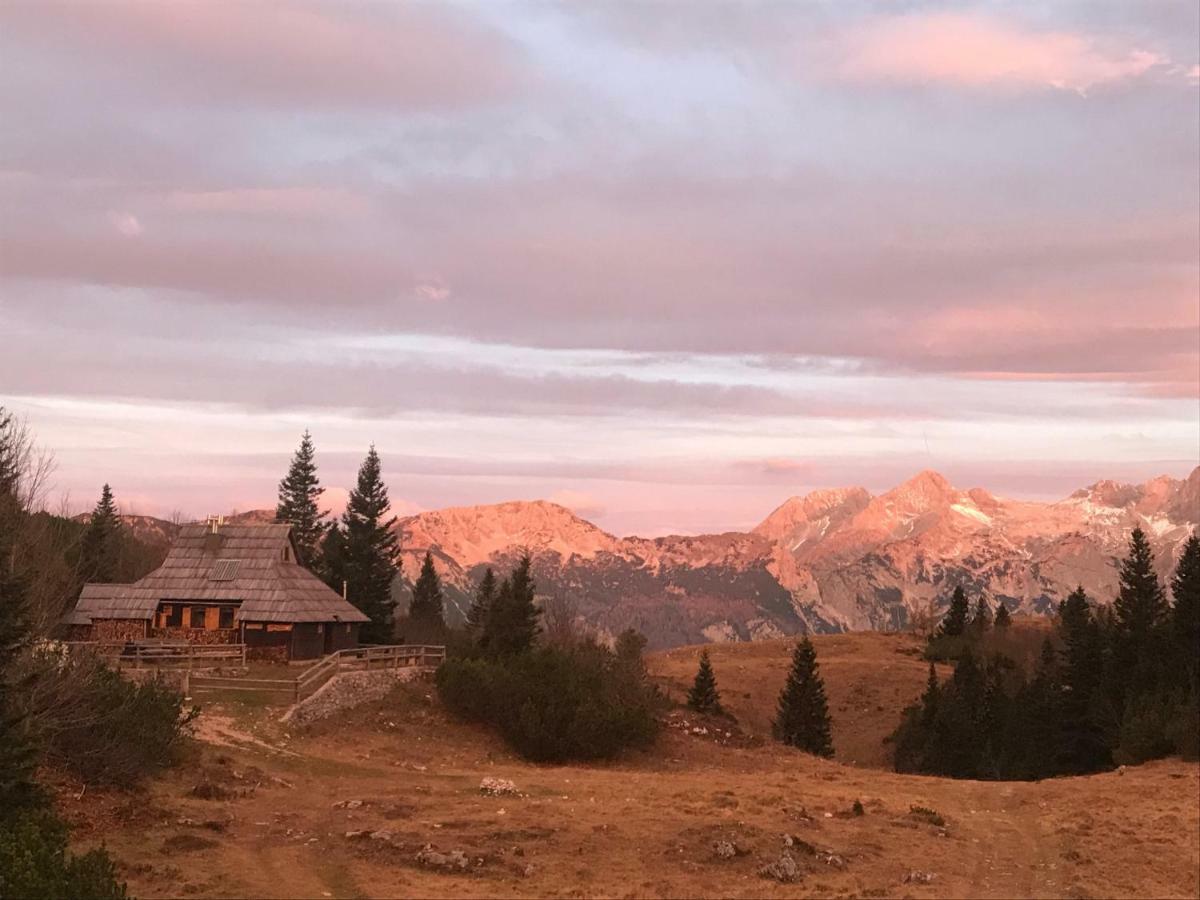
254	564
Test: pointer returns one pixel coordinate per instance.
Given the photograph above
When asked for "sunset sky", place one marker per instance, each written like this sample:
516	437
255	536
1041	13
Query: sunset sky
666	264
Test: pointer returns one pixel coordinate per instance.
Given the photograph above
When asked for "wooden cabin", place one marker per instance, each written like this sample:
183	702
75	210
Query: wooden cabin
224	584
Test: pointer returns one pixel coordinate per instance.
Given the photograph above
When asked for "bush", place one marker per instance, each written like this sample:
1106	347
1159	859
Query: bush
553	704
34	861
100	726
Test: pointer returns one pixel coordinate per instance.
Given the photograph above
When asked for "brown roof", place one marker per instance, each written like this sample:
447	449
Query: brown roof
253	564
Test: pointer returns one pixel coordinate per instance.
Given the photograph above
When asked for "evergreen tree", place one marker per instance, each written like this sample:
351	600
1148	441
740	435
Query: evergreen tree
929	699
299	495
1003	619
512	624
704	697
369	553
1141	604
802	718
100	546
955	622
982	620
427	601
481	604
1185	614
630	646
1082	744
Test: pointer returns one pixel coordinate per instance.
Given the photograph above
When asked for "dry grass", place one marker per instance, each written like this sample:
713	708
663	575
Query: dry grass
643	827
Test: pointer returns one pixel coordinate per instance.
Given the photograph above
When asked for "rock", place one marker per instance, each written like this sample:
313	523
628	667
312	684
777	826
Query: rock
915	877
380	835
348	804
724	849
454	860
528	871
356	835
783	870
497	787
1120	770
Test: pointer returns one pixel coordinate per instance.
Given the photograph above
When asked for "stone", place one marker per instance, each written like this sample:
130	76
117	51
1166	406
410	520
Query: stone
915	877
454	860
497	787
724	849
783	870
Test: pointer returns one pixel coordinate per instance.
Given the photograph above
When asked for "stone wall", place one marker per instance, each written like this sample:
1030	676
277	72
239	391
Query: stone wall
347	690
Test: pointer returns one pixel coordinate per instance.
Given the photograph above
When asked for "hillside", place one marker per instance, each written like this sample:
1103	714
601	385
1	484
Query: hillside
343	810
832	560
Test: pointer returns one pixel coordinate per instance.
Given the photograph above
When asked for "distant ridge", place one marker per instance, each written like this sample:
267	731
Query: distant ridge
831	560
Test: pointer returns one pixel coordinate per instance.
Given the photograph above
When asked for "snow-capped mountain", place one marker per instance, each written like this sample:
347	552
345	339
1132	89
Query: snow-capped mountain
831	560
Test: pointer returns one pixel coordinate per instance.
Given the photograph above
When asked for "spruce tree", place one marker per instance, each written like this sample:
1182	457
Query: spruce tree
704	697
1141	604
1003	619
100	546
982	619
1082	745
1185	614
955	622
299	495
802	718
929	699
370	556
512	624
481	604
427	607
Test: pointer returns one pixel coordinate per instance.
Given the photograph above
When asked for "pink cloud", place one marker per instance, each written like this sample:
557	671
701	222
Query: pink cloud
418	55
294	201
981	51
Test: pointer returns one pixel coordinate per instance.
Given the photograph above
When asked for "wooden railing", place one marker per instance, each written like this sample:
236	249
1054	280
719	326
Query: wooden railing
318	675
181	654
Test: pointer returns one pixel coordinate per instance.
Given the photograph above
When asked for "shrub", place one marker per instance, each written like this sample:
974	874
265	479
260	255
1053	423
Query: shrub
34	861
100	726
554	704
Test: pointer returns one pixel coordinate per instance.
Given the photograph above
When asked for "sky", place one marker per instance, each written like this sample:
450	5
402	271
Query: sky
664	264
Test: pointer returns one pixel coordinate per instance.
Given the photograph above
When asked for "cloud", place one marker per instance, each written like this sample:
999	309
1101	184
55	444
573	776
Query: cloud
976	50
125	223
285	54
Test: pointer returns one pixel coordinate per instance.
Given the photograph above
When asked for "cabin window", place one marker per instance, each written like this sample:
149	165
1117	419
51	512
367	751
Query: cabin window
346	629
173	617
225	617
197	616
320	628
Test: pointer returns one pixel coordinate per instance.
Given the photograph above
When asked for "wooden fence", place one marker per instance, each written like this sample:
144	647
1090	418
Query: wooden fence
312	679
165	654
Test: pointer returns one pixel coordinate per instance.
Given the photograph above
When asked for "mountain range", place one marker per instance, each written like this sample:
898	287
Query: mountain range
831	560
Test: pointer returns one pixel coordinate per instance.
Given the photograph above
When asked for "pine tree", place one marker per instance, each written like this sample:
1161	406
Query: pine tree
1141	604
802	718
704	697
427	607
513	625
1082	745
929	699
299	494
17	753
100	546
1185	614
481	604
982	619
369	553
955	622
1003	619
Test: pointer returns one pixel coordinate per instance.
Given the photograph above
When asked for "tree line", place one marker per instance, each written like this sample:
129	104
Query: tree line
1107	685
